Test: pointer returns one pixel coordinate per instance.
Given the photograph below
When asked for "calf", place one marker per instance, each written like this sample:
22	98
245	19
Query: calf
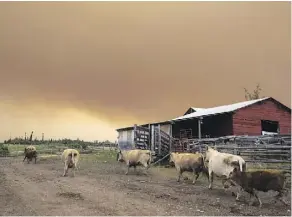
70	157
30	153
222	164
188	162
134	158
259	180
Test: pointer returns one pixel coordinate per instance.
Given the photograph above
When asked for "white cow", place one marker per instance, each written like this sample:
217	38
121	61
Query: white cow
222	165
70	158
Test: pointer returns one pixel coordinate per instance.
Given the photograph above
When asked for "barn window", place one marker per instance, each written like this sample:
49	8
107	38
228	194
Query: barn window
270	126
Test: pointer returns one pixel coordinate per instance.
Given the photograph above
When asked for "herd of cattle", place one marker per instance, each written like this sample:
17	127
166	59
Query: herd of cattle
231	168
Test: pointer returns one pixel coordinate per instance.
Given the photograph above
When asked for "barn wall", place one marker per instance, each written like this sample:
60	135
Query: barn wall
248	120
126	138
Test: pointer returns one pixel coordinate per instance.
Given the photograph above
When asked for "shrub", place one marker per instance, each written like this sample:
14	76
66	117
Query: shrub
4	151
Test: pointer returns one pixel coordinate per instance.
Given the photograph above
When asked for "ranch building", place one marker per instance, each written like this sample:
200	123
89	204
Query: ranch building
254	117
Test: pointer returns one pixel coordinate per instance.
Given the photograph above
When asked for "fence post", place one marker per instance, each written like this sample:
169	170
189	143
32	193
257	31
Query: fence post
159	140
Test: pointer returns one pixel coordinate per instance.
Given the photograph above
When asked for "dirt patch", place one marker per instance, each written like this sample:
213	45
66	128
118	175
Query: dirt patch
102	188
76	196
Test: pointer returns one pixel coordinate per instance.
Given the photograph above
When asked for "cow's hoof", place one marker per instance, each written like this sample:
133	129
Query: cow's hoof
233	194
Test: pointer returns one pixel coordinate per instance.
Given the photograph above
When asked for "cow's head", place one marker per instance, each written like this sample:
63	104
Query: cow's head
120	156
235	174
208	153
171	158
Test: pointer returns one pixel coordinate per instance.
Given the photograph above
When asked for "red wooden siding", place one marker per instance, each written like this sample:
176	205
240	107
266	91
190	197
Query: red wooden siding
248	120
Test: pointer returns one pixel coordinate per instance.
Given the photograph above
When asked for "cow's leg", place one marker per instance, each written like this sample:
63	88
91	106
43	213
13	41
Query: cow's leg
238	194
179	173
257	197
24	158
65	170
135	170
35	158
210	179
146	165
195	176
224	183
280	198
128	167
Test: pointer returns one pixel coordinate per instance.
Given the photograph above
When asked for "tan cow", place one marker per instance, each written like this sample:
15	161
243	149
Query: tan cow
70	157
135	157
30	153
188	162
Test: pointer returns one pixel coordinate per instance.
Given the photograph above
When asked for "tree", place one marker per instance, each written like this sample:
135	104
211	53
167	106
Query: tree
255	94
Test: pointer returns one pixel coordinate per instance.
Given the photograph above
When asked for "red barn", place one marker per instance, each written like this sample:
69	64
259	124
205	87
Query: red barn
254	117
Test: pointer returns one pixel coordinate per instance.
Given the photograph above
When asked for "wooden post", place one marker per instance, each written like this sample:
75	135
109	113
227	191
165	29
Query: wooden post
135	135
153	138
199	128
159	140
170	138
149	138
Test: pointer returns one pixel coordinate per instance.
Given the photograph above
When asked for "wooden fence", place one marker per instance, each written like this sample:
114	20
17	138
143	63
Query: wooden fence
271	152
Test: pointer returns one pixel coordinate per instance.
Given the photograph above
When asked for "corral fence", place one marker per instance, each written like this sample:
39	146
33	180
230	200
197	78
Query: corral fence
265	152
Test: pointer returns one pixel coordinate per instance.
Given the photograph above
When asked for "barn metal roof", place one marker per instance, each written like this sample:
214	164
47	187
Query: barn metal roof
197	109
219	109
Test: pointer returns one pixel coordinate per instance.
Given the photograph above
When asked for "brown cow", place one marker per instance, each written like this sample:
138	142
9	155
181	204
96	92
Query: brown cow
30	153
260	180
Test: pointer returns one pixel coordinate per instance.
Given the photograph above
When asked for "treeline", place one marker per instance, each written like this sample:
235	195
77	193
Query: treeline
65	141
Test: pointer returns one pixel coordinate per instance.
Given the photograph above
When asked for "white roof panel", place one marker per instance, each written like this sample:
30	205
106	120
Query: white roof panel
197	109
219	109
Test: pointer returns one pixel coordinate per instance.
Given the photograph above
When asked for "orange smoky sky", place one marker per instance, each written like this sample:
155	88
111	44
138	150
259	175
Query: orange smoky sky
82	69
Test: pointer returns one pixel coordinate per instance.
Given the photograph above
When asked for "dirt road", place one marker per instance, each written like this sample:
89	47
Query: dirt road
103	189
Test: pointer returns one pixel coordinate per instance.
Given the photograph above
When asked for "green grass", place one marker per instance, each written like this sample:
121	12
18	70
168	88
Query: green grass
101	156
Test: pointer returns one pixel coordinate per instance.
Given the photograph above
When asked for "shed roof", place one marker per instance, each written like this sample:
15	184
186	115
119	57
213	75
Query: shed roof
219	109
201	112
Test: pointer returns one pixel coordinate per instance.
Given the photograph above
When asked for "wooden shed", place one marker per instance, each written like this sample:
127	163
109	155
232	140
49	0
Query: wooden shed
254	117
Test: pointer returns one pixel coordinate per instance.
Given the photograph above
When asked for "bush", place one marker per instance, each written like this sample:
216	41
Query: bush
84	146
4	151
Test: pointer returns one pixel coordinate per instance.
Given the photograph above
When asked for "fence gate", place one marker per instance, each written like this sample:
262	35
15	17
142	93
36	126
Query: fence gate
142	137
161	141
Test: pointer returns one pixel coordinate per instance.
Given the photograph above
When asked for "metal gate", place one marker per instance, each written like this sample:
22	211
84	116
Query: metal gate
141	137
